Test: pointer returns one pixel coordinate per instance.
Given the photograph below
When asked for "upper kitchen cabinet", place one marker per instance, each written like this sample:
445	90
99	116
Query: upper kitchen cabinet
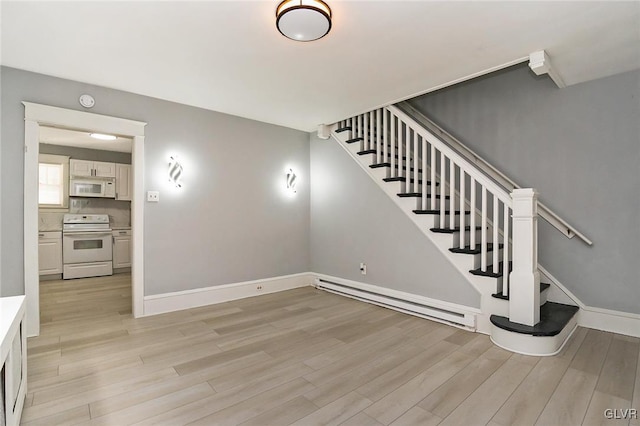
92	168
123	182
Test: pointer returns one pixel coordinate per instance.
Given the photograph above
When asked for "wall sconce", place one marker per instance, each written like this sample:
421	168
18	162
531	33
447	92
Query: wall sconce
175	171
291	181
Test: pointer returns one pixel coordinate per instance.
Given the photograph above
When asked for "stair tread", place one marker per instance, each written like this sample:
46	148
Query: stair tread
489	272
437	211
543	287
378	165
354	140
387	164
553	318
343	129
469	250
366	151
419	195
452	230
404	179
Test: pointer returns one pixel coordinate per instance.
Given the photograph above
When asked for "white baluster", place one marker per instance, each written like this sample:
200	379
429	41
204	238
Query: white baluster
483	231
496	225
394	148
372	129
379	136
505	252
462	207
385	132
416	163
424	174
433	177
360	120
352	123
367	130
443	192
472	224
407	145
452	196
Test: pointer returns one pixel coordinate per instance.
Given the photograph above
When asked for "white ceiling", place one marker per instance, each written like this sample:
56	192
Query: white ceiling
228	56
80	139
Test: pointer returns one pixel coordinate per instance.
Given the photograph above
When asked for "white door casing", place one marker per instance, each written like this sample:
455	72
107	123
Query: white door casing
37	115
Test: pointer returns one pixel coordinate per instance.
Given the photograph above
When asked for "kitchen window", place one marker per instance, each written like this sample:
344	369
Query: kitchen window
53	182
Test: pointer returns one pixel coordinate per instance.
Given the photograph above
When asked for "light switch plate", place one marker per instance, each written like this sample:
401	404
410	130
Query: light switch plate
153	196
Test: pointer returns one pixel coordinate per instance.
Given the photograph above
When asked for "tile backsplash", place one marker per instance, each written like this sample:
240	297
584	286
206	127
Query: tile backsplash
119	212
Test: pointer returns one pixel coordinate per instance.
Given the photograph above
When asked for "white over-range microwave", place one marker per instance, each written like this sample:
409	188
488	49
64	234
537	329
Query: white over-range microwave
92	187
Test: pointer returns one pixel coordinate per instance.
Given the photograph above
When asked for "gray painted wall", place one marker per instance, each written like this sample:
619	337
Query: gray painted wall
1	239
580	148
86	153
353	221
230	222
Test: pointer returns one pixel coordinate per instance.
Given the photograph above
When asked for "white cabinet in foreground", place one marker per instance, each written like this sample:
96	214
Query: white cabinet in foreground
13	360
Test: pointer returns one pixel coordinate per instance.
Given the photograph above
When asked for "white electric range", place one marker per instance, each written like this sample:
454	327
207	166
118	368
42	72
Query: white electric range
86	246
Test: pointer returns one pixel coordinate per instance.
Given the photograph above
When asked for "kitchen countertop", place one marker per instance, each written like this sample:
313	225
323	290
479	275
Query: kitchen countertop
48	227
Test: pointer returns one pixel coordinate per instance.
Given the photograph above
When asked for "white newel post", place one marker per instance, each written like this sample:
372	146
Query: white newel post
524	292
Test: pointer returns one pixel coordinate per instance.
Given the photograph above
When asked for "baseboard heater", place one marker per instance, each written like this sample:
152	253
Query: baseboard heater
458	319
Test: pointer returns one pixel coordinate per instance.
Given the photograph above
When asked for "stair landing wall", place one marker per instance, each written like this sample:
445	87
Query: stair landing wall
578	146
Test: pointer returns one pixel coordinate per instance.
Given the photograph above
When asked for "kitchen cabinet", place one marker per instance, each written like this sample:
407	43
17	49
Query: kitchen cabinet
50	253
92	168
122	248
123	182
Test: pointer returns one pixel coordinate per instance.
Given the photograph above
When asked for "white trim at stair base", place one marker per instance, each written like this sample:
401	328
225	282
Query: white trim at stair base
179	300
527	344
600	319
413	304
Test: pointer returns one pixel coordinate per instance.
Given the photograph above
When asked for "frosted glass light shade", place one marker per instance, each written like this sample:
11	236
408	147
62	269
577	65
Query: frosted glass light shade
303	20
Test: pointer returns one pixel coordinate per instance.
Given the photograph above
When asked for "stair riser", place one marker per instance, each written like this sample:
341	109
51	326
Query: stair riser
467	238
477	259
447	218
533	345
417	204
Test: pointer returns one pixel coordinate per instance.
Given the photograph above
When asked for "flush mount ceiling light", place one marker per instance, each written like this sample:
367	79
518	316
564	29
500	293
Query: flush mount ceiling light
103	137
303	20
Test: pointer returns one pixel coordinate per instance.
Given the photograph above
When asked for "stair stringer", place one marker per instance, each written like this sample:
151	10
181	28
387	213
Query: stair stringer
485	286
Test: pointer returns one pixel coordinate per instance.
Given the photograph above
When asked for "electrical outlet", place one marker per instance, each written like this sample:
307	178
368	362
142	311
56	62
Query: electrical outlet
363	268
153	196
259	287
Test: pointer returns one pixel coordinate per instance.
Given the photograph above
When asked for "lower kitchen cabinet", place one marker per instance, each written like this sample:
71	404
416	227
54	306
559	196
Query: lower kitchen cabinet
122	248
50	252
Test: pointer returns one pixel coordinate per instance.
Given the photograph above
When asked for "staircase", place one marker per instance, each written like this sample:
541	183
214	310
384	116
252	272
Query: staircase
486	232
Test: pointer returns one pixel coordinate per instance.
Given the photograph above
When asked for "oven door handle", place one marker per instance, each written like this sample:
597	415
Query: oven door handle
86	234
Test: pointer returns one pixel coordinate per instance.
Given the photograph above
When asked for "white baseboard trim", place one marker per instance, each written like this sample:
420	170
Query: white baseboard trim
413	304
597	318
608	320
179	300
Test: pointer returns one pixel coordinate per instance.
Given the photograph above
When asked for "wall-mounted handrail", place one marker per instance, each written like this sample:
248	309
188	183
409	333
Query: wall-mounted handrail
543	211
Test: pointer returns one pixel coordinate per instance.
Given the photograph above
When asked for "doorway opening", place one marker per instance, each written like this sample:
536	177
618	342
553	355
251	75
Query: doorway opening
84	227
45	124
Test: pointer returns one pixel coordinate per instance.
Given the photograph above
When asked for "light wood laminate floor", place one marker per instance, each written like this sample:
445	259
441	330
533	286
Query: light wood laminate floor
303	357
